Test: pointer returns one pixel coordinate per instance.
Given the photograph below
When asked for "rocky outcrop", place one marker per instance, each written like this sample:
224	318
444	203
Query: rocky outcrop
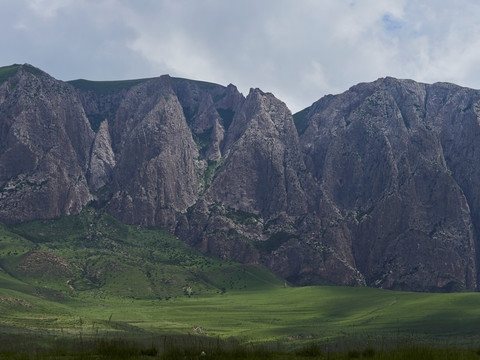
45	142
157	173
377	186
378	151
102	159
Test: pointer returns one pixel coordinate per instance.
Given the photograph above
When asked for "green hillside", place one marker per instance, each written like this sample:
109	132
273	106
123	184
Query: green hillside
88	277
7	71
104	87
94	255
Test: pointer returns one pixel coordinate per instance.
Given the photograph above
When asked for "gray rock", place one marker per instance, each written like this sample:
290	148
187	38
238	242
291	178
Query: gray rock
102	159
45	140
377	186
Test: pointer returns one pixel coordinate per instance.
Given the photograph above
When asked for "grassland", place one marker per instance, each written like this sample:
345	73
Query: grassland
289	315
7	71
105	87
91	280
277	320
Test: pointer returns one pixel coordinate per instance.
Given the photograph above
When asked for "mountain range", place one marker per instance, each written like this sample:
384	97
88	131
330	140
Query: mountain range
377	186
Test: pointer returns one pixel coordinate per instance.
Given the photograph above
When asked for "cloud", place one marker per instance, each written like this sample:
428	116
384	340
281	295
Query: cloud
48	8
274	45
299	50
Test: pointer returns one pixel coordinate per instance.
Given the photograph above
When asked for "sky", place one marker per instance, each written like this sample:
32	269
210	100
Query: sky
299	50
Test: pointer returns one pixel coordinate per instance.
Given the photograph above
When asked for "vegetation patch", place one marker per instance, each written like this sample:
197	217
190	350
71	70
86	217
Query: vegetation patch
201	84
203	140
93	254
8	71
106	87
242	217
32	70
274	241
212	166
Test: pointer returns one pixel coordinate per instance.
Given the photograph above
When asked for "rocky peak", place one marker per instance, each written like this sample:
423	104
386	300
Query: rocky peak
156	173
102	159
375	186
209	110
378	152
45	140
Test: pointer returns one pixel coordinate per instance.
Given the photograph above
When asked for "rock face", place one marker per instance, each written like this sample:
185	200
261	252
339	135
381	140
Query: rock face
45	141
377	186
384	154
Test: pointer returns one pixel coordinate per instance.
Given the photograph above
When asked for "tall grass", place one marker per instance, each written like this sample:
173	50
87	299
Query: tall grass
199	348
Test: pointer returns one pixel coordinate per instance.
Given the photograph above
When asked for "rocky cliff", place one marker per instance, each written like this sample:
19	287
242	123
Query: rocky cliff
45	141
377	186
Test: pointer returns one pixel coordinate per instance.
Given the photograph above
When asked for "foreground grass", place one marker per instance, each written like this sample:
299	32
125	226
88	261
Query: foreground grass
271	323
293	316
90	287
115	349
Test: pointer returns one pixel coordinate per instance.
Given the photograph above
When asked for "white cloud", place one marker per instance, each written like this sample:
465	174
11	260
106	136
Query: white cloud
299	50
274	45
48	8
177	55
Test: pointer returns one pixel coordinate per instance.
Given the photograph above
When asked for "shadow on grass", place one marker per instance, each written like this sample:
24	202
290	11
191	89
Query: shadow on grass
203	348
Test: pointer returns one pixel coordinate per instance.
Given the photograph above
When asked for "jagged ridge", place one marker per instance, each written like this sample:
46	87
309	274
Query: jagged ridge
376	186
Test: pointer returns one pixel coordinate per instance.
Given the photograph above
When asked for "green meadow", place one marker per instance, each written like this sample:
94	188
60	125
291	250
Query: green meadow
90	286
286	315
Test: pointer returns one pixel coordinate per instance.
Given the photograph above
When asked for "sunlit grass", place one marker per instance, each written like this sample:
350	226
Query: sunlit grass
276	314
145	288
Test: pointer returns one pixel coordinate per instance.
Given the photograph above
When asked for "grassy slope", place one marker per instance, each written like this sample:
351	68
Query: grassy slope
7	71
94	255
130	281
104	87
273	314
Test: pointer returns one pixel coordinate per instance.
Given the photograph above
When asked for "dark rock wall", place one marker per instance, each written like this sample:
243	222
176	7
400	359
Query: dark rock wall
376	186
45	142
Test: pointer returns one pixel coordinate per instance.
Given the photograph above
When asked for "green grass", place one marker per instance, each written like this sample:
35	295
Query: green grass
205	85
274	314
105	87
274	241
278	322
7	71
89	278
93	254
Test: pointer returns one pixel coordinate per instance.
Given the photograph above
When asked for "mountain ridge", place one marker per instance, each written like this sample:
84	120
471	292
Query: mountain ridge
375	186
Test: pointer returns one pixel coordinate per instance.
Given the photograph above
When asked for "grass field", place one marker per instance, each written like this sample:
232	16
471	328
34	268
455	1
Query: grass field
276	314
94	283
280	319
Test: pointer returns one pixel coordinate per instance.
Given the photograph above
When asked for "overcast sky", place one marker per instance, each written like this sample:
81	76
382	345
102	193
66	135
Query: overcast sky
300	50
